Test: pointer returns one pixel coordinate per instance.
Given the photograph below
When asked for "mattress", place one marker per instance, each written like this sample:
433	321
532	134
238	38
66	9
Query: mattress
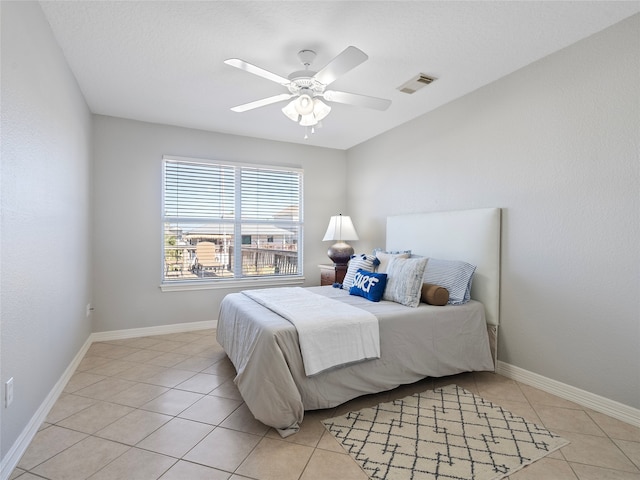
414	343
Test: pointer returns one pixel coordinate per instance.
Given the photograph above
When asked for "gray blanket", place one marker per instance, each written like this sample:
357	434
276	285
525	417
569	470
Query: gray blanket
414	343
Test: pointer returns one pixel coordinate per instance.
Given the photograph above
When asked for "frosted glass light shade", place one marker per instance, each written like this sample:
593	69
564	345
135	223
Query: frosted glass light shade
320	109
308	120
291	112
304	104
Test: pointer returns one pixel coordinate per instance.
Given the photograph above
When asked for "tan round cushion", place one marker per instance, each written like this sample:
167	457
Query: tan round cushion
434	294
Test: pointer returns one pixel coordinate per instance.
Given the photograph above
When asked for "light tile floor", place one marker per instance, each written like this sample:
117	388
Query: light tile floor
166	407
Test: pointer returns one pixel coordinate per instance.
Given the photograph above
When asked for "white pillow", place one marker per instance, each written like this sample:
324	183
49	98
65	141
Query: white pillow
404	280
385	258
455	276
363	261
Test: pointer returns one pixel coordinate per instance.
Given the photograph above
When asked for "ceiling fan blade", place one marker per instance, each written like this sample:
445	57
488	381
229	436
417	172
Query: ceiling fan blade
350	58
357	100
262	103
261	72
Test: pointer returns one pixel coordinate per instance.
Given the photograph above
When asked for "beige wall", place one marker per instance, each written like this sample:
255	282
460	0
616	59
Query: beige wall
45	198
556	146
127	200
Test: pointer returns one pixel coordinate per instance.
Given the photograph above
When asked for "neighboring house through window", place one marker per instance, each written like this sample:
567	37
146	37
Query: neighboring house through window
225	220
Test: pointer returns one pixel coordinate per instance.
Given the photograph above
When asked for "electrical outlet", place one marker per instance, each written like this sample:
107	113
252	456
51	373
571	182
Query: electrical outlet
8	392
88	310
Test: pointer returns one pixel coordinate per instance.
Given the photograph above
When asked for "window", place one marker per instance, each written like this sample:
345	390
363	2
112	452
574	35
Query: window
226	221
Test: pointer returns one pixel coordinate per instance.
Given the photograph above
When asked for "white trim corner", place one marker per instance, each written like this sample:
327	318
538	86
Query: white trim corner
11	459
612	408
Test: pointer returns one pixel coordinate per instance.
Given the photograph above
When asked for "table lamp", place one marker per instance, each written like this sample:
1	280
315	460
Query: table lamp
340	229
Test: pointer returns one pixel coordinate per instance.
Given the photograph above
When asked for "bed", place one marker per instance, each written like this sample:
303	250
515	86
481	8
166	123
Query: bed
414	342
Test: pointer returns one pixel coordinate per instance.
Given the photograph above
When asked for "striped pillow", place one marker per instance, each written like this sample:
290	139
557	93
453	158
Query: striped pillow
363	261
453	275
404	280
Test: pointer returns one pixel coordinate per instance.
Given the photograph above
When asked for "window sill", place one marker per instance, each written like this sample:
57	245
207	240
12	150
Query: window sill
231	284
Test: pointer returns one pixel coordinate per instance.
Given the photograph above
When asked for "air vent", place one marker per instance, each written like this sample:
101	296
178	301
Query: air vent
416	83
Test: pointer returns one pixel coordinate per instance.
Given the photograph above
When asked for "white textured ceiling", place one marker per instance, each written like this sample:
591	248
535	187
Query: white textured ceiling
163	61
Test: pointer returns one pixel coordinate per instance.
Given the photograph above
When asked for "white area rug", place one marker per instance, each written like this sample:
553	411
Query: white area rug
446	433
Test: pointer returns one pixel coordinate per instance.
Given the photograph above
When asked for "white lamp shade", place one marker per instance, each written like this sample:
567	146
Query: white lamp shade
291	112
340	228
320	109
308	120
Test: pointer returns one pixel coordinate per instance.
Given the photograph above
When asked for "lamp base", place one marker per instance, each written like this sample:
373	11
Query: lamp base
340	253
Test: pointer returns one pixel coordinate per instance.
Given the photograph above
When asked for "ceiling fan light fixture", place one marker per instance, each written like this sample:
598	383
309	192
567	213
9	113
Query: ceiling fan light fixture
314	110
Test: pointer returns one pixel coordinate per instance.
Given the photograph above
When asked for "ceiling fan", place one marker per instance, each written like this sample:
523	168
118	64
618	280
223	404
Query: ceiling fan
307	87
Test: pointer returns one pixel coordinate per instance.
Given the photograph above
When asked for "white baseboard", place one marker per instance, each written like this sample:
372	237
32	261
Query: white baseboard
595	402
11	459
148	331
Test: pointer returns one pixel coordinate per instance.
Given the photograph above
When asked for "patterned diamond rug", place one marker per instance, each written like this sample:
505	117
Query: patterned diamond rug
446	433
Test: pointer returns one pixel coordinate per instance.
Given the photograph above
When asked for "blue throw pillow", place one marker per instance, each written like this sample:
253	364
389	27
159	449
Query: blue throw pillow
369	285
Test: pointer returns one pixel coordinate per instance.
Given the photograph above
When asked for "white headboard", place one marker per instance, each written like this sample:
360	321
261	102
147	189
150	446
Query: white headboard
472	236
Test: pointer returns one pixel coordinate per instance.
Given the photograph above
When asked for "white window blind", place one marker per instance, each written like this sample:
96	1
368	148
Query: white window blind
229	221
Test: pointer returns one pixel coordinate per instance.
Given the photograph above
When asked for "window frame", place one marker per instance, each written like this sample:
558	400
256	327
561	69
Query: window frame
237	222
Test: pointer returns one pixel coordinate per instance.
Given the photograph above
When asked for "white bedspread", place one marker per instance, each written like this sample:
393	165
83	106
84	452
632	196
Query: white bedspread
331	333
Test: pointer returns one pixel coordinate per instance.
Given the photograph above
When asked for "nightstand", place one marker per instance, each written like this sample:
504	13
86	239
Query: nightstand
330	274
